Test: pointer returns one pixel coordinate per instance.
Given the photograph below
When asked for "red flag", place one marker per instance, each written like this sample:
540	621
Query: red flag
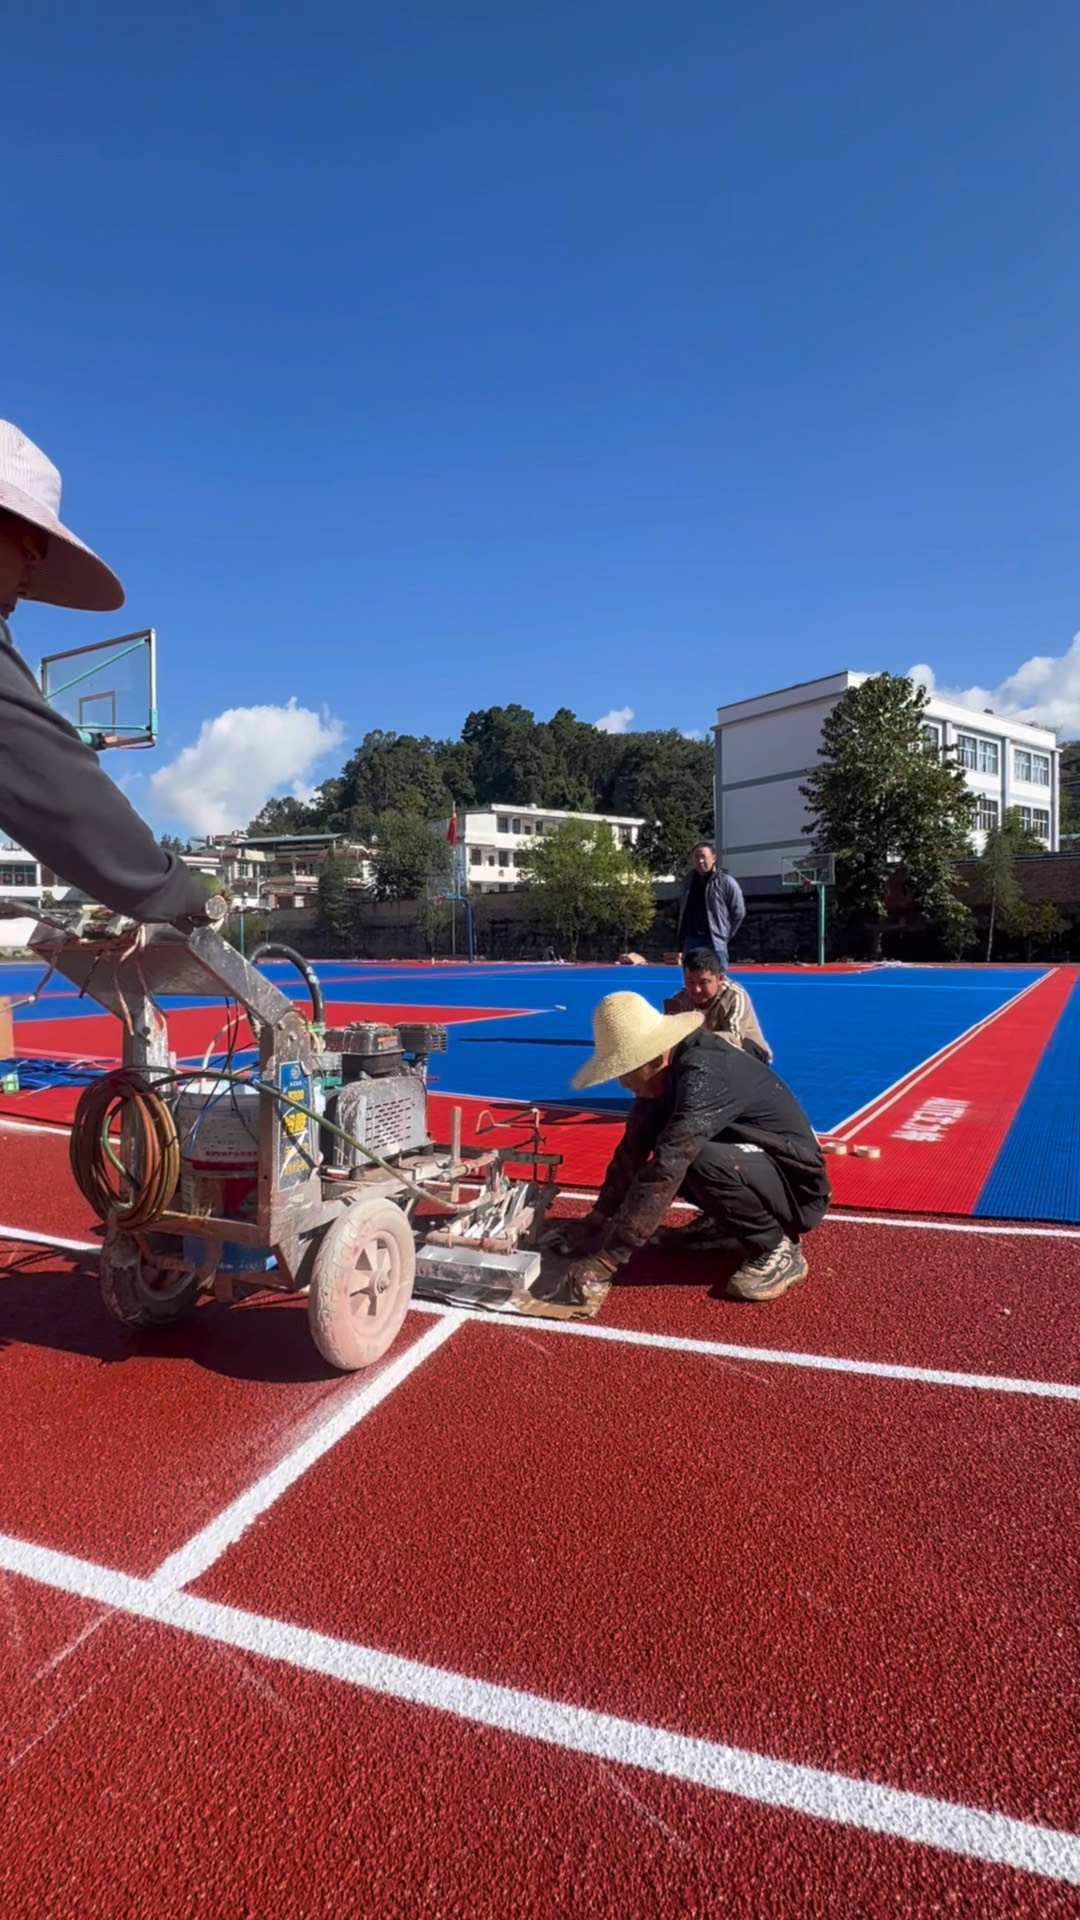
451	831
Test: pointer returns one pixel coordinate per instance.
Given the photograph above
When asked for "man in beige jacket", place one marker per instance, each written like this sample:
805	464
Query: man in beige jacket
727	1007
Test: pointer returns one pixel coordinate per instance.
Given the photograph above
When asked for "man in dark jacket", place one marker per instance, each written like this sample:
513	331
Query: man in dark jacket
712	908
55	801
713	1123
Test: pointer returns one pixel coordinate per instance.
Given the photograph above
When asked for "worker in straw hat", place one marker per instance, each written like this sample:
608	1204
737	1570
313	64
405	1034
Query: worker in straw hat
55	800
711	1122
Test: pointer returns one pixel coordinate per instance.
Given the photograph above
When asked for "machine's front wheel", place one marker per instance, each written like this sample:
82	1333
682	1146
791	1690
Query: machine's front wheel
362	1284
138	1291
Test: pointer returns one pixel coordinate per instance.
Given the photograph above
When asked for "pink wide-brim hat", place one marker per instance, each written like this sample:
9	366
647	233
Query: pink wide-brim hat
69	575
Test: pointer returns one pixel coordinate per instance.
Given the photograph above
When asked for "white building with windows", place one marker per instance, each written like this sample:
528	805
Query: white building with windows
492	840
766	746
277	870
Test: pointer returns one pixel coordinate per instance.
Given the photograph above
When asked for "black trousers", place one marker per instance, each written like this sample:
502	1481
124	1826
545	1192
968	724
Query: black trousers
747	1196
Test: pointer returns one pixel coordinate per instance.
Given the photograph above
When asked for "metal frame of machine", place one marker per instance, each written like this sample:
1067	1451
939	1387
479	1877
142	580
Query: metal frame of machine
355	1234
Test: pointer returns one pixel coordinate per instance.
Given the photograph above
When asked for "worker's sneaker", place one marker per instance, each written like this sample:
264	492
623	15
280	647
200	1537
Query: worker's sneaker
699	1235
770	1274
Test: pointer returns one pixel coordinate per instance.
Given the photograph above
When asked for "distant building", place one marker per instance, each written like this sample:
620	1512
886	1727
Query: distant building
766	746
492	840
276	870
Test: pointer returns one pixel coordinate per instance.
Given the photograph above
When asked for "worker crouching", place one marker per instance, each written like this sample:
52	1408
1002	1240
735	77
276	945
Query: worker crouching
710	1123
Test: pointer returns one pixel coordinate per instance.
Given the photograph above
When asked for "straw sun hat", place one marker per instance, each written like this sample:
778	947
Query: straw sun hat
627	1032
69	575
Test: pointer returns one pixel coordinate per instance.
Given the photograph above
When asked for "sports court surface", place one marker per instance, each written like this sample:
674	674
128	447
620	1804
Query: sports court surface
698	1608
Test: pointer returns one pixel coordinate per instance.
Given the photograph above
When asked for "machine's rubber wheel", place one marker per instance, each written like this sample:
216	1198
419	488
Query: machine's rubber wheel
361	1284
139	1292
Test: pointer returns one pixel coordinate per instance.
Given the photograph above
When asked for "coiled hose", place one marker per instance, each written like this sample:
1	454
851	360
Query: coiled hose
105	1183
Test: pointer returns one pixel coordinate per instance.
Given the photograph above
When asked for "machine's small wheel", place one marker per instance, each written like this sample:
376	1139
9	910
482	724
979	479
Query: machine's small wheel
361	1284
139	1292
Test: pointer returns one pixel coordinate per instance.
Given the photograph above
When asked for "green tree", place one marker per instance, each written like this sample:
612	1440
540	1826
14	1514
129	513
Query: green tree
997	880
433	912
667	780
1068	823
407	857
585	881
1040	926
335	896
172	843
879	800
285	815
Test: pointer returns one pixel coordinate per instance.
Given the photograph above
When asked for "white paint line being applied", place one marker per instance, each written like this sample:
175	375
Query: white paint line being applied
350	1406
867	1806
764	1356
923	1223
45	1240
866	1115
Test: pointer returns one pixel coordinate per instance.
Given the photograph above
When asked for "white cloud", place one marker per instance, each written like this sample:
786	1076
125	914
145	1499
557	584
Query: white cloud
1045	691
240	758
617	721
694	733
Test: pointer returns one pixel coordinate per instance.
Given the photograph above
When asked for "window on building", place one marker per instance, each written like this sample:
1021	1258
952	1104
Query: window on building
18	877
527	828
931	733
491	859
987	816
626	835
1032	768
1037	820
516	825
502	823
977	754
475	857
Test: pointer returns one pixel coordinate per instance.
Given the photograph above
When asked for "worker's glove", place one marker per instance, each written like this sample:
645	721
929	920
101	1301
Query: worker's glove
589	1277
576	1238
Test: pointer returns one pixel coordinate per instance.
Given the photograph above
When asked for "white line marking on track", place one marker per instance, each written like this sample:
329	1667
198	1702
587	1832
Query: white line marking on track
350	1406
767	1356
24	1235
867	1806
951	1226
924	1223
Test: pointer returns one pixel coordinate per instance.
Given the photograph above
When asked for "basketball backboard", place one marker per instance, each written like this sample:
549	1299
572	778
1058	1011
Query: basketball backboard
108	691
808	870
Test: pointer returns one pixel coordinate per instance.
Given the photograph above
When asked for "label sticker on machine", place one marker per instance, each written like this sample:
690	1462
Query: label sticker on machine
296	1141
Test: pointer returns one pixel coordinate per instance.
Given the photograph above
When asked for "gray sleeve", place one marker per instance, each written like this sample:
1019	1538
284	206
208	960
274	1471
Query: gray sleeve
736	903
58	804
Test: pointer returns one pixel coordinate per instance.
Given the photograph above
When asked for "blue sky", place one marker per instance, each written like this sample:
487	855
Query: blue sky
408	359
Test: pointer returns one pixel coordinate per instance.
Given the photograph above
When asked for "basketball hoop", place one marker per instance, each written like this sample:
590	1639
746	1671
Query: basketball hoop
811	872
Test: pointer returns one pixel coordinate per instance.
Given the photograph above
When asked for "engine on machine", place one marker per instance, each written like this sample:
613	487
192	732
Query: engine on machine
373	1081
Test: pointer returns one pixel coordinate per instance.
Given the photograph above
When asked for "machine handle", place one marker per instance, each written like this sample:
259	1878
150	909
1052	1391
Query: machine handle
213	913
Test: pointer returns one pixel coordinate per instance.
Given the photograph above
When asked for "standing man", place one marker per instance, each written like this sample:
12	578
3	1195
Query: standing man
713	1123
727	1007
54	798
712	908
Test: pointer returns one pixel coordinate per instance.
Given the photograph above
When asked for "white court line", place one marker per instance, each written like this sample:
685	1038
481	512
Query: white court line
971	1832
881	1102
924	1225
49	1240
767	1356
951	1226
350	1407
